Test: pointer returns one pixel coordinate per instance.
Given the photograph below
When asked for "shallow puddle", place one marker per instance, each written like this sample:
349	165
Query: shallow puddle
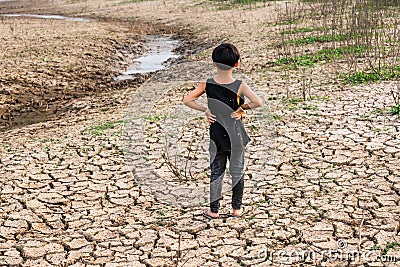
47	17
160	51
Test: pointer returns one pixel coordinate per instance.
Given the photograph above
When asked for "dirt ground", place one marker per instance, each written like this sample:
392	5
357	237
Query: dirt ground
48	63
70	196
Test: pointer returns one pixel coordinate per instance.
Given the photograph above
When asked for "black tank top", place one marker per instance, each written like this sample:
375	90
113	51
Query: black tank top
223	99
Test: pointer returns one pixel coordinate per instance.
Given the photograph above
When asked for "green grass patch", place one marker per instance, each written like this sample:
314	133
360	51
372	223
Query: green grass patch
363	77
245	1
132	1
300	30
332	53
225	7
276	117
249	1
102	128
230	4
292	103
395	110
372	76
309	107
322	55
155	118
303	60
380	111
319	39
295	100
315	97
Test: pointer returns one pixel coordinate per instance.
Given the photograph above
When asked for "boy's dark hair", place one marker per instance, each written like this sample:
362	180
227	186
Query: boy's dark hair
225	56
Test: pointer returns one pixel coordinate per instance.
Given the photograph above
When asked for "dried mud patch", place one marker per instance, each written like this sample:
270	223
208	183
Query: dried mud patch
47	63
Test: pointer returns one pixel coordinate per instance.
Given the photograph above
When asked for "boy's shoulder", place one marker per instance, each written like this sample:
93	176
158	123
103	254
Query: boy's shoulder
244	84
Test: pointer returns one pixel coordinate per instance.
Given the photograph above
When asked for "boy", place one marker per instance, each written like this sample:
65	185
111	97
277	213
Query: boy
228	137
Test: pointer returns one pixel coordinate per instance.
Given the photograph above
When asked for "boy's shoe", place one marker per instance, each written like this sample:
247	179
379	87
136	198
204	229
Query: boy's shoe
207	215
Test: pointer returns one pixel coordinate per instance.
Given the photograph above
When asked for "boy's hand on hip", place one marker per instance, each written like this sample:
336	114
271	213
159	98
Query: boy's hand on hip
238	114
211	117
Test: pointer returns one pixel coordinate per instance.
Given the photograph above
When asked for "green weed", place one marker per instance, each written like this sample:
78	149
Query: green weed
322	55
380	111
300	30
276	117
395	110
100	129
225	7
389	246
372	76
309	107
155	118
293	101
319	39
250	1
304	60
332	53
131	1
363	77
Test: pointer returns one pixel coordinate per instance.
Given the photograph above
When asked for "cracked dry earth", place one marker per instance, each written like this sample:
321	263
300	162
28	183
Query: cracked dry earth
69	196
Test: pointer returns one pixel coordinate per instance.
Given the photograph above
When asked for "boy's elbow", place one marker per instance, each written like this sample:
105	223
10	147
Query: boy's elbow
186	101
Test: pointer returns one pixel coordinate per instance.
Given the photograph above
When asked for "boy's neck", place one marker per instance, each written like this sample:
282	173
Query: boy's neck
225	74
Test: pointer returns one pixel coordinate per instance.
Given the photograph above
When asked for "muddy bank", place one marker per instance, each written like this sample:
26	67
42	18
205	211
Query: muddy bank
48	63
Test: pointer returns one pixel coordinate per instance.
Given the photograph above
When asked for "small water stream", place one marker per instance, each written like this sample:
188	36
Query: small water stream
47	17
160	51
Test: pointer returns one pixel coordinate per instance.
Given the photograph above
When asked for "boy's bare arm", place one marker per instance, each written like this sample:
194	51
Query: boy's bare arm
255	101
190	101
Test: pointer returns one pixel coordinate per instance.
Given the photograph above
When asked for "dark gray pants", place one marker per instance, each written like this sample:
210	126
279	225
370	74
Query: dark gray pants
236	169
